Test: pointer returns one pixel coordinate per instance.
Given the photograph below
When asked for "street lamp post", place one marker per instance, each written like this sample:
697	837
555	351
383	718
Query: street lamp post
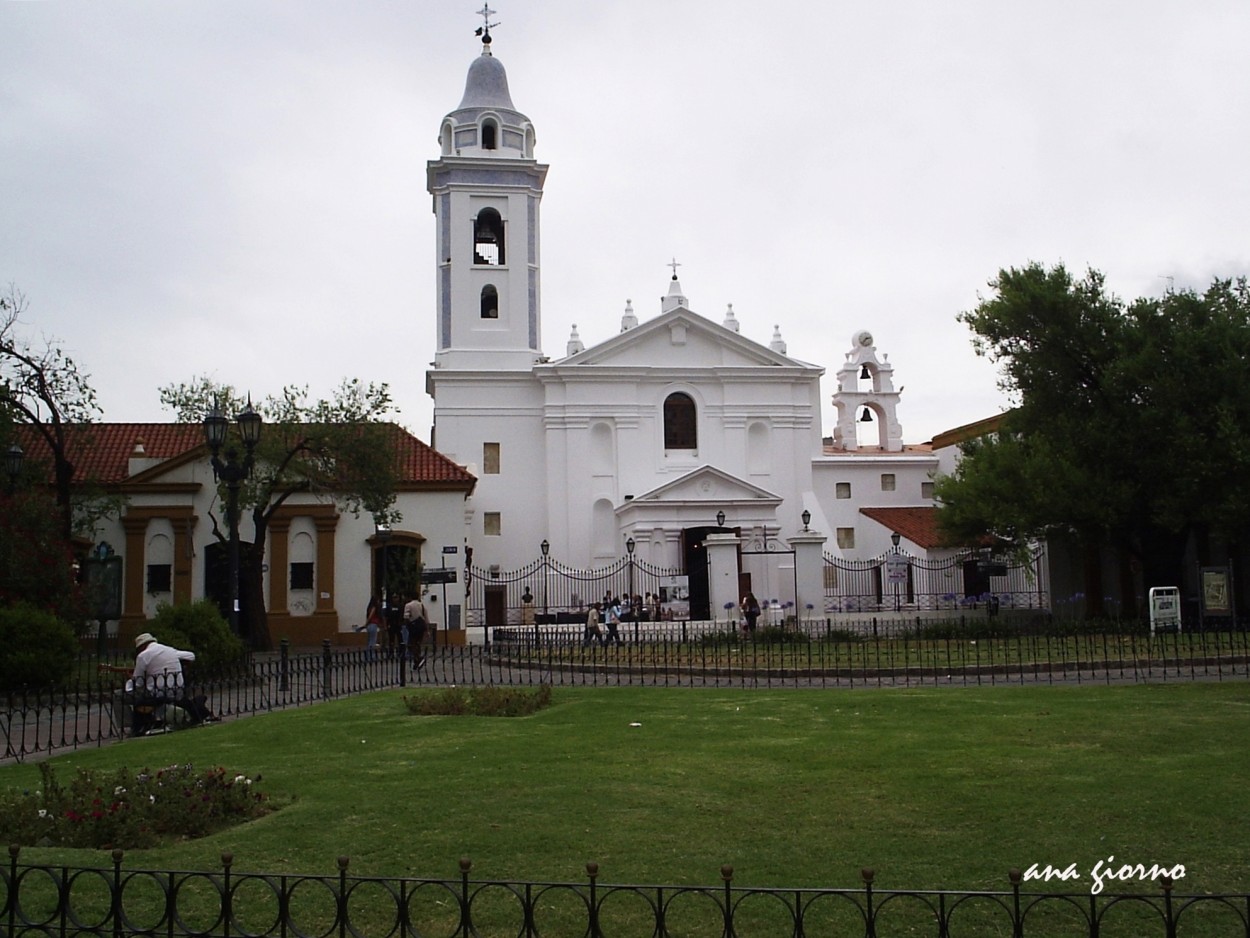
637	612
629	551
545	547
13	460
894	539
232	471
383	534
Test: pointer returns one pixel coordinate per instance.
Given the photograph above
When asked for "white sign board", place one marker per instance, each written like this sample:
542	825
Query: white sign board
896	569
1165	609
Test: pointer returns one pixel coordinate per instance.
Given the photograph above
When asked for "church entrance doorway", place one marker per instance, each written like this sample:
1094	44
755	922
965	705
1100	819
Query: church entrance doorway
694	556
496	606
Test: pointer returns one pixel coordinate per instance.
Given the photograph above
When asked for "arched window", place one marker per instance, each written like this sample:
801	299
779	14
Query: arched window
680	422
490	302
488	238
489	132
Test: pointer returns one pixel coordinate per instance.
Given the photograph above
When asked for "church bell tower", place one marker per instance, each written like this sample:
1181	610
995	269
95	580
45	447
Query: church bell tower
486	187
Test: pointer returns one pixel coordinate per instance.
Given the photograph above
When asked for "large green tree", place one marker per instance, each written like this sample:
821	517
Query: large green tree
1130	425
339	449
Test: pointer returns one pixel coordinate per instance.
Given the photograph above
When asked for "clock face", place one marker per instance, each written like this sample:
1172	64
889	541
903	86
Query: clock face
863	338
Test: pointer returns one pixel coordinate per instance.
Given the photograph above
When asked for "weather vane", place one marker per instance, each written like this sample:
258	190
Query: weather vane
484	30
673	264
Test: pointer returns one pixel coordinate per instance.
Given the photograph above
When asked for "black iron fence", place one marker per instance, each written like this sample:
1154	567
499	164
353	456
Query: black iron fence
91	711
113	900
970	579
546	590
556	591
841	654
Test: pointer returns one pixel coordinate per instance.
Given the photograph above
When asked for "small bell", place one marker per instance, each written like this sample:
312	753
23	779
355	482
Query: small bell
863	373
866	417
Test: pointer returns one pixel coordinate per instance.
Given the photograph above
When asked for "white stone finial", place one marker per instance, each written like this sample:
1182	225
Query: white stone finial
575	342
777	344
628	320
731	322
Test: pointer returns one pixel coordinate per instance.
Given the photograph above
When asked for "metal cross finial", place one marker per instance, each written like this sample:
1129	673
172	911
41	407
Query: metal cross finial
673	264
485	13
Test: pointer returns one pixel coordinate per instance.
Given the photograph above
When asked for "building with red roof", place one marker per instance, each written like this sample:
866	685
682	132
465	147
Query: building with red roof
322	562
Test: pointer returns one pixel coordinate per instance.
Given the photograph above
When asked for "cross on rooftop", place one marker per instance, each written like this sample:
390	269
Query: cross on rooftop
673	264
486	13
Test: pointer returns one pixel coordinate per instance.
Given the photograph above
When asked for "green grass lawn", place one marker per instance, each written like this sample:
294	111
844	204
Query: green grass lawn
934	788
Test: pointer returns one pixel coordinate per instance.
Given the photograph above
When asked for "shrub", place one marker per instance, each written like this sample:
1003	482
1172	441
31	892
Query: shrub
486	701
121	809
198	627
39	649
843	636
775	635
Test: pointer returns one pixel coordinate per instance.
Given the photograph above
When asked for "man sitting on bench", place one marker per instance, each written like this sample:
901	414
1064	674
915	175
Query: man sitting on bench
157	680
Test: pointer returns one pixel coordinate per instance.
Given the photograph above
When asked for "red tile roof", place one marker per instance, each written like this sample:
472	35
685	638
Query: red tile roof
101	452
970	431
919	524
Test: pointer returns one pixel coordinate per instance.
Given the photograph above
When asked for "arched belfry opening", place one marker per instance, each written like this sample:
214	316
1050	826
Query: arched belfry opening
490	134
490	302
488	242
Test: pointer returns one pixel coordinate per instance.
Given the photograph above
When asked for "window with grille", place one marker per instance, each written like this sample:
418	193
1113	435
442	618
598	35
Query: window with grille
302	575
160	578
680	422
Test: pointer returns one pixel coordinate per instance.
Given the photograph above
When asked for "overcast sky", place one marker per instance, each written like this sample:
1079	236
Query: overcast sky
237	187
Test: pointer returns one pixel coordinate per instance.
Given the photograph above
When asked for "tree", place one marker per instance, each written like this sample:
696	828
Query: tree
337	449
41	386
36	561
1131	424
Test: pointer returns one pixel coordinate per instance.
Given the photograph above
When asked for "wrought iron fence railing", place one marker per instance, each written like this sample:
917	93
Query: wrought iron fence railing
833	654
556	590
898	581
892	582
114	900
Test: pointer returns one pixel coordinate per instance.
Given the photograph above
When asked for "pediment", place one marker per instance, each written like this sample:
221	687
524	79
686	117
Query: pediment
679	338
711	485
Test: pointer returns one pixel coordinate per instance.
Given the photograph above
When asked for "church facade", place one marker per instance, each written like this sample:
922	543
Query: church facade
674	429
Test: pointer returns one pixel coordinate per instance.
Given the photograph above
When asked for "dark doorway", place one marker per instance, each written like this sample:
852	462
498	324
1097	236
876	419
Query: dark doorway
976	580
398	575
496	600
694	554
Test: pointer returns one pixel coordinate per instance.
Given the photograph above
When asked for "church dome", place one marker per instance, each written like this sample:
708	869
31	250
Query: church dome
487	84
487	123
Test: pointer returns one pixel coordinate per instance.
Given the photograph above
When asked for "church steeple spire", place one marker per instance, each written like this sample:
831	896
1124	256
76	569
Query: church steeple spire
487	187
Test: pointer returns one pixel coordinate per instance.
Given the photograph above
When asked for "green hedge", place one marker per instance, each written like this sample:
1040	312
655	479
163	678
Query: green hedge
38	649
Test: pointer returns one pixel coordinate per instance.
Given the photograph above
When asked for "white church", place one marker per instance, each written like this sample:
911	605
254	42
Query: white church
675	430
